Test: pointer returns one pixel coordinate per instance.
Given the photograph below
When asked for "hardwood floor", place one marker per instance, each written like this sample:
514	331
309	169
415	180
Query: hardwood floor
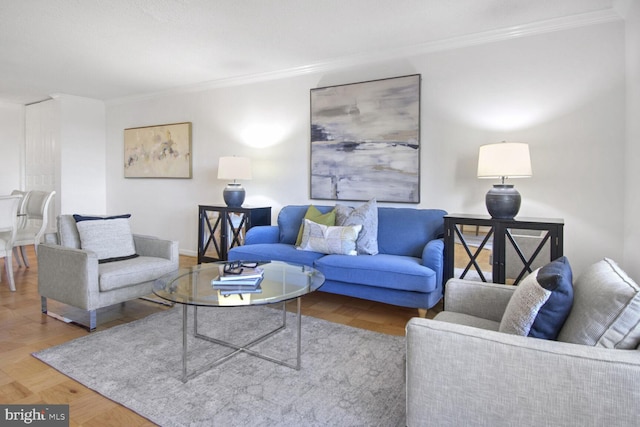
24	330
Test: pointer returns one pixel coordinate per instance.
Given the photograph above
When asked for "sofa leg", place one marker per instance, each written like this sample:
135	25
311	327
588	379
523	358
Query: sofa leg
422	312
43	304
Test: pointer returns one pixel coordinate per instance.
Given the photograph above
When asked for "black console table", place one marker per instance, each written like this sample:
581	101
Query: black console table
221	228
501	232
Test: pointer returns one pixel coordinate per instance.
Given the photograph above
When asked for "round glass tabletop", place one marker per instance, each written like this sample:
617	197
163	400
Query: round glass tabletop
281	282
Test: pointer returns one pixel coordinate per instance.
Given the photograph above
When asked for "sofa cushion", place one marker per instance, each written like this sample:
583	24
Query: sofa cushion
329	240
405	231
365	215
467	320
273	252
315	215
109	237
385	271
606	309
541	303
130	272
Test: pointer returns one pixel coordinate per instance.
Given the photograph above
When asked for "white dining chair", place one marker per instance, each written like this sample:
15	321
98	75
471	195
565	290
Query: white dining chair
37	215
8	221
22	219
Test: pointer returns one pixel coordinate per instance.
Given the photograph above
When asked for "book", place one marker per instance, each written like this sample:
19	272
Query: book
230	291
242	273
251	283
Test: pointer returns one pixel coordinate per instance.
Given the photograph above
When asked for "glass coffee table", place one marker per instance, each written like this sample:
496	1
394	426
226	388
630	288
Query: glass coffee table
192	287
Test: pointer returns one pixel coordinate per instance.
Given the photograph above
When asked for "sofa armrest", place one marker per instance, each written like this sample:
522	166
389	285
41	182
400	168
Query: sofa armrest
154	247
68	275
433	257
262	234
479	299
459	375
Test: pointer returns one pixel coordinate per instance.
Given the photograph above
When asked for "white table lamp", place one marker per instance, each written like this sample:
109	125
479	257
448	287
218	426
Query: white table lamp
504	160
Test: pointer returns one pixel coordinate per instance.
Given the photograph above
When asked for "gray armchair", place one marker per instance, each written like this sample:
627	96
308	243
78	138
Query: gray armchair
462	371
73	276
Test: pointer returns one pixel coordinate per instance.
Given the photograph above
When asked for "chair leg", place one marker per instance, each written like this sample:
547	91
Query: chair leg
17	256
422	312
92	320
8	265
23	251
92	316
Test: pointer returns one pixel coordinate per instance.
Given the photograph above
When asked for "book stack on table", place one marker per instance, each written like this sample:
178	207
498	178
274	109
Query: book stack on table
246	281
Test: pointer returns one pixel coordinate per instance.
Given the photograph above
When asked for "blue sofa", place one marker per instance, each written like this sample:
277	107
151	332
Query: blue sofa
407	271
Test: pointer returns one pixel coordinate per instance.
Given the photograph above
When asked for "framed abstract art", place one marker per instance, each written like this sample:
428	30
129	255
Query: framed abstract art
365	141
161	151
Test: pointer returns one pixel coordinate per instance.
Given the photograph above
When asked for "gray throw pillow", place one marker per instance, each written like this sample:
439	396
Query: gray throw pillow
606	309
109	237
365	215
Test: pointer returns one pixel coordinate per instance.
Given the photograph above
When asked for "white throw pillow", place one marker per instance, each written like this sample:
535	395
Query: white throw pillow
329	240
109	237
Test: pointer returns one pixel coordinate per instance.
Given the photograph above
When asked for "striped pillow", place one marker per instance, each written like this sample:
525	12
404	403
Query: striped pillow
109	237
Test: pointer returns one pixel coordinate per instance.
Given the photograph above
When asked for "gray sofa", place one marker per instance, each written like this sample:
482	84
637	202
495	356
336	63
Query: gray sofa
462	371
72	275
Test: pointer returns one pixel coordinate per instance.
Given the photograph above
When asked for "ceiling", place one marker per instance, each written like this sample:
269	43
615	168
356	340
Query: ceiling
111	49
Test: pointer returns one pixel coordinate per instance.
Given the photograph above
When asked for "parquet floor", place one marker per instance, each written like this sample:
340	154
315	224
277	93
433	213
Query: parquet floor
24	330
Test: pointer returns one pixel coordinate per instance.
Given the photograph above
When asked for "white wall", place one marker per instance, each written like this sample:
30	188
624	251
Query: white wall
81	178
562	92
632	192
65	140
11	147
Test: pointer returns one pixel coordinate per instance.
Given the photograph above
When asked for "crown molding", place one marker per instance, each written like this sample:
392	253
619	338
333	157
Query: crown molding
518	31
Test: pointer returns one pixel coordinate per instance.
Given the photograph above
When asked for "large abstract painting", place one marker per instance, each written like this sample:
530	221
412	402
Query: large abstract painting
365	141
162	151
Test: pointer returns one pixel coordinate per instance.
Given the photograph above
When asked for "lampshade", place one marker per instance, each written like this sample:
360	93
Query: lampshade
504	160
234	168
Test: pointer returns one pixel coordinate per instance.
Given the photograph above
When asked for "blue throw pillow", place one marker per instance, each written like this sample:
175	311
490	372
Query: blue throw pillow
540	305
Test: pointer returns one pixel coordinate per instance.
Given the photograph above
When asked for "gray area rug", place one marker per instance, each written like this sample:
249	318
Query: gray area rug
349	376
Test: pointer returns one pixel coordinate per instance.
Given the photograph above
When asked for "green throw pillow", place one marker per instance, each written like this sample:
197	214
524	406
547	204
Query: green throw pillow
313	214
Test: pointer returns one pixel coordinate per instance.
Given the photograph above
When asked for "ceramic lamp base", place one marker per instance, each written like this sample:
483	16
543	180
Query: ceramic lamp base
233	195
503	201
